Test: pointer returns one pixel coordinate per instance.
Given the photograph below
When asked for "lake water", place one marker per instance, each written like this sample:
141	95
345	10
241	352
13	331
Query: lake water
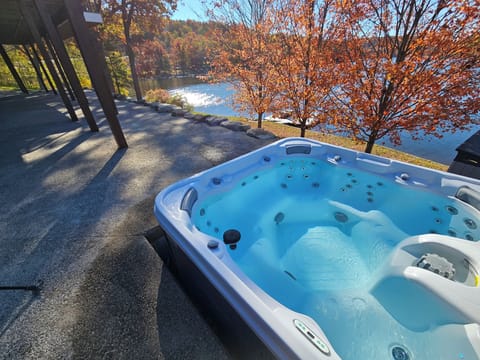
216	99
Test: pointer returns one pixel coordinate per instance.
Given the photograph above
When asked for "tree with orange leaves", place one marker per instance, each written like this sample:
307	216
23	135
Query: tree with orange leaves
243	55
126	18
152	58
303	71
405	65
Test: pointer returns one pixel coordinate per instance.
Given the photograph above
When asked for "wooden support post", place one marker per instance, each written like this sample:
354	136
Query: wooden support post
27	13
86	43
101	53
59	67
34	63
98	51
107	74
62	53
12	69
45	72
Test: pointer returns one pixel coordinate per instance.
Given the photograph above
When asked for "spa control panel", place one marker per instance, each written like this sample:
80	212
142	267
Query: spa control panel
310	335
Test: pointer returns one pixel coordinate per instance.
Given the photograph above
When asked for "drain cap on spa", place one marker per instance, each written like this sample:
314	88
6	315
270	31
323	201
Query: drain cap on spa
400	353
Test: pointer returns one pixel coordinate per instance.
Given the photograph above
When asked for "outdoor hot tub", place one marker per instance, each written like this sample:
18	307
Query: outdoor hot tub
330	253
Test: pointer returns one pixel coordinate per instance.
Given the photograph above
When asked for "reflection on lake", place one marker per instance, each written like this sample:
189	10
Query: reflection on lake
208	98
216	99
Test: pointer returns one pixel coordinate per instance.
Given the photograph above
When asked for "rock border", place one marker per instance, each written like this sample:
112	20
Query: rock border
211	120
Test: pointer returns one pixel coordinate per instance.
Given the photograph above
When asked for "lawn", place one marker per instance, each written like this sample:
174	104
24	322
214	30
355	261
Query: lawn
283	131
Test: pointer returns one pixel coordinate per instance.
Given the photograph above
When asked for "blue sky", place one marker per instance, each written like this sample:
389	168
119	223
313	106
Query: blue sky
189	9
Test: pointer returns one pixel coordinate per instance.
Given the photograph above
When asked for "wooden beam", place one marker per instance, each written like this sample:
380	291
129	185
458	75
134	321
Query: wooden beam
12	69
99	52
59	67
106	71
34	63
45	72
27	13
65	61
95	66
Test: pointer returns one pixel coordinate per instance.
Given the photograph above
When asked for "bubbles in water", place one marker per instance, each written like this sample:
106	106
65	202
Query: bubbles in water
359	304
329	307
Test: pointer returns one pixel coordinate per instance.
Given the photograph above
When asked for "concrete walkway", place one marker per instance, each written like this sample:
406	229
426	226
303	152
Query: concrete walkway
73	213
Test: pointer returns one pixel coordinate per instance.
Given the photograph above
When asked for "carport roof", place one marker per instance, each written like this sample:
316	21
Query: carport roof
13	27
45	23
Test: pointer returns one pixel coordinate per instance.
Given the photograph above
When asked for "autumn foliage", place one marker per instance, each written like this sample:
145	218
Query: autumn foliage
369	68
405	65
302	64
124	19
243	53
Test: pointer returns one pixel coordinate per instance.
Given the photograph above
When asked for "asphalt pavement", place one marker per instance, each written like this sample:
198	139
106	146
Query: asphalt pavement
74	209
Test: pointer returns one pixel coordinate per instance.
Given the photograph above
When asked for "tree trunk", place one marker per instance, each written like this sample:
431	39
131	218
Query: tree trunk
131	60
303	128
259	120
370	143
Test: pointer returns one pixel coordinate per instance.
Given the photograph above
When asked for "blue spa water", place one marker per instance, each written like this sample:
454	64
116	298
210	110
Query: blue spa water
315	236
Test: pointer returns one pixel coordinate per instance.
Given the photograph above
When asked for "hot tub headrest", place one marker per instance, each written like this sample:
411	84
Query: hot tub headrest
469	196
188	200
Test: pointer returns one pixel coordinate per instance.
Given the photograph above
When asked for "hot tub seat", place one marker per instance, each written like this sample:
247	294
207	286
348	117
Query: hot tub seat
432	300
